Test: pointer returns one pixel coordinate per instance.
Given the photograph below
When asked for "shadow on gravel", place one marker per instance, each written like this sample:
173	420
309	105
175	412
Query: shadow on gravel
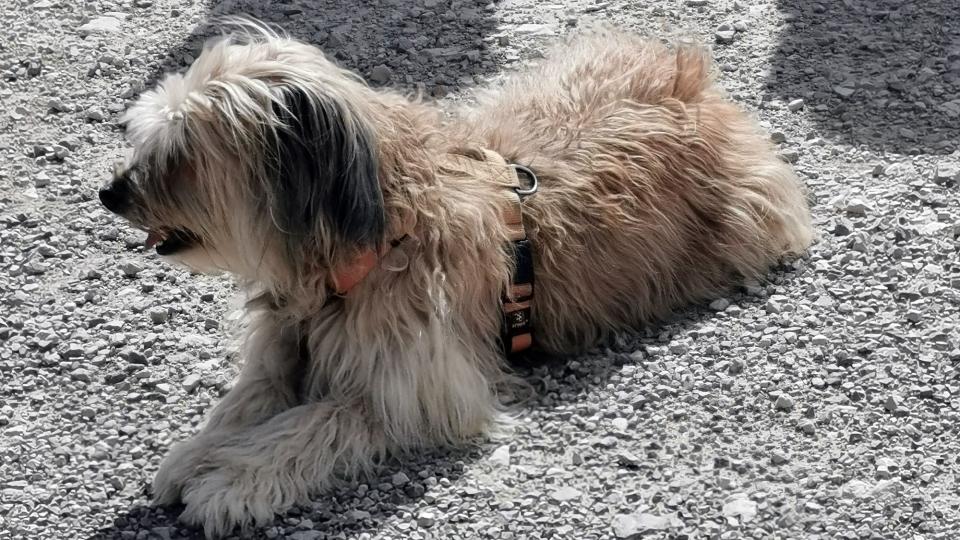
340	512
879	73
423	45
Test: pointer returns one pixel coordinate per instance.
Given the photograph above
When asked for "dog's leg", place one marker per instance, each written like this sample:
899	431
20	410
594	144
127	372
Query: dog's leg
416	393
266	386
246	478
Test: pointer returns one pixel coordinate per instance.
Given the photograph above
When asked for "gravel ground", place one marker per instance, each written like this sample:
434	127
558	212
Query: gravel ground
822	403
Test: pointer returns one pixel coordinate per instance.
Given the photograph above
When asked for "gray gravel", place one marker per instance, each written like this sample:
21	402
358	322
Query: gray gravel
820	403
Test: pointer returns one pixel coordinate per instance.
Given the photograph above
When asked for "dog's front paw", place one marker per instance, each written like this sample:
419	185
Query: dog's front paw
223	498
182	462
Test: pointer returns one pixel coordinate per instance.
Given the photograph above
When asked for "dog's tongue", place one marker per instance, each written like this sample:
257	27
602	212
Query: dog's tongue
152	239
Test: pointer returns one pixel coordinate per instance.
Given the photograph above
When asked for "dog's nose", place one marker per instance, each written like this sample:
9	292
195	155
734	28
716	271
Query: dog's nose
116	196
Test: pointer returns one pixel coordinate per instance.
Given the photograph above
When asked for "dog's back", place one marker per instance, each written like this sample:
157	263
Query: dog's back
655	190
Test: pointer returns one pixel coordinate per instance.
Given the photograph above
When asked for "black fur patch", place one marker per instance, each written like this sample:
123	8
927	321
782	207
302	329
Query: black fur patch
326	169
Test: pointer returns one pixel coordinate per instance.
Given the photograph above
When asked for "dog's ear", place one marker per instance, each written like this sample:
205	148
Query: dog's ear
325	163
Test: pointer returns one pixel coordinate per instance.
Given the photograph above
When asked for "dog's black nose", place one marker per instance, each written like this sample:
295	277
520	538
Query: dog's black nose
116	196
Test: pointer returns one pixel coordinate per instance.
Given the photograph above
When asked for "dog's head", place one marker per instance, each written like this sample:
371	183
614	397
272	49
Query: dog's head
260	158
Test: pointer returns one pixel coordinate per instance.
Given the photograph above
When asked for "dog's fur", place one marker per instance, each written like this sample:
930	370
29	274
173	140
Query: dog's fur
655	192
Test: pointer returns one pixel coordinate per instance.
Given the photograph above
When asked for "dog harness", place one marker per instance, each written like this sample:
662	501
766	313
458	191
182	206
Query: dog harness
516	333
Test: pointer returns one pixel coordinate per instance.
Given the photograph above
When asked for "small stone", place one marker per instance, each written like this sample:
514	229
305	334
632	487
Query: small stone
159	315
720	304
857	207
795	105
381	74
533	29
778	458
725	36
399	479
784	403
739	506
134	357
80	374
426	519
735	367
100	25
789	155
566	493
892	403
808	427
778	137
95	115
191	382
886	468
501	456
844	91
856	489
131	269
819	340
627	459
947	173
635	525
206	297
211	324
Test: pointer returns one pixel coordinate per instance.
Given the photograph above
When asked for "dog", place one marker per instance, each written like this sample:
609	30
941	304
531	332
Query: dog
370	233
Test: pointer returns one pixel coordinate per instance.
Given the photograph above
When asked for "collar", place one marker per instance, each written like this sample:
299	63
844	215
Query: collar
342	280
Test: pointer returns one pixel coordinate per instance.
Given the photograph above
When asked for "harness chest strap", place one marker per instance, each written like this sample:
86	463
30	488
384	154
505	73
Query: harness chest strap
517	301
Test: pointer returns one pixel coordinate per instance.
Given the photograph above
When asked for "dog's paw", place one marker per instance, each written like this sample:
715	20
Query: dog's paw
222	499
182	462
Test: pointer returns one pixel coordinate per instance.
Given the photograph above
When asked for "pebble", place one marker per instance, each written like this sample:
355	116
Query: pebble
739	506
399	479
795	105
426	519
100	25
501	456
790	155
844	91
158	315
778	458
947	173
720	304
635	525
95	115
857	207
725	36
191	382
784	402
131	269
892	403
564	494
381	74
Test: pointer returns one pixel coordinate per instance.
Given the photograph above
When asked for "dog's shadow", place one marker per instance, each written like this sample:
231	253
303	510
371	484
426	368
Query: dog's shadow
349	509
879	73
427	48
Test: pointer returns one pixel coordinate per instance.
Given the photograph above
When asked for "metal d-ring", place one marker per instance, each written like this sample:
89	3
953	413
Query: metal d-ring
534	182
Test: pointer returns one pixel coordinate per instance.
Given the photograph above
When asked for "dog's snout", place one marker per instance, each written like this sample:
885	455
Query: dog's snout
116	195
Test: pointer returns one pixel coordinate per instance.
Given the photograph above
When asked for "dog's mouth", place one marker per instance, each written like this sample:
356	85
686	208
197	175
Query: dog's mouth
170	242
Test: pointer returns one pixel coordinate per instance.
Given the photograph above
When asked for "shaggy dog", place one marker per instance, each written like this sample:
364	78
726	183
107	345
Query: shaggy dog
268	161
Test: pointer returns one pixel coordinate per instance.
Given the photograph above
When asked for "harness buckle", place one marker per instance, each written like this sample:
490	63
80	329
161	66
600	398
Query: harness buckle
534	181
